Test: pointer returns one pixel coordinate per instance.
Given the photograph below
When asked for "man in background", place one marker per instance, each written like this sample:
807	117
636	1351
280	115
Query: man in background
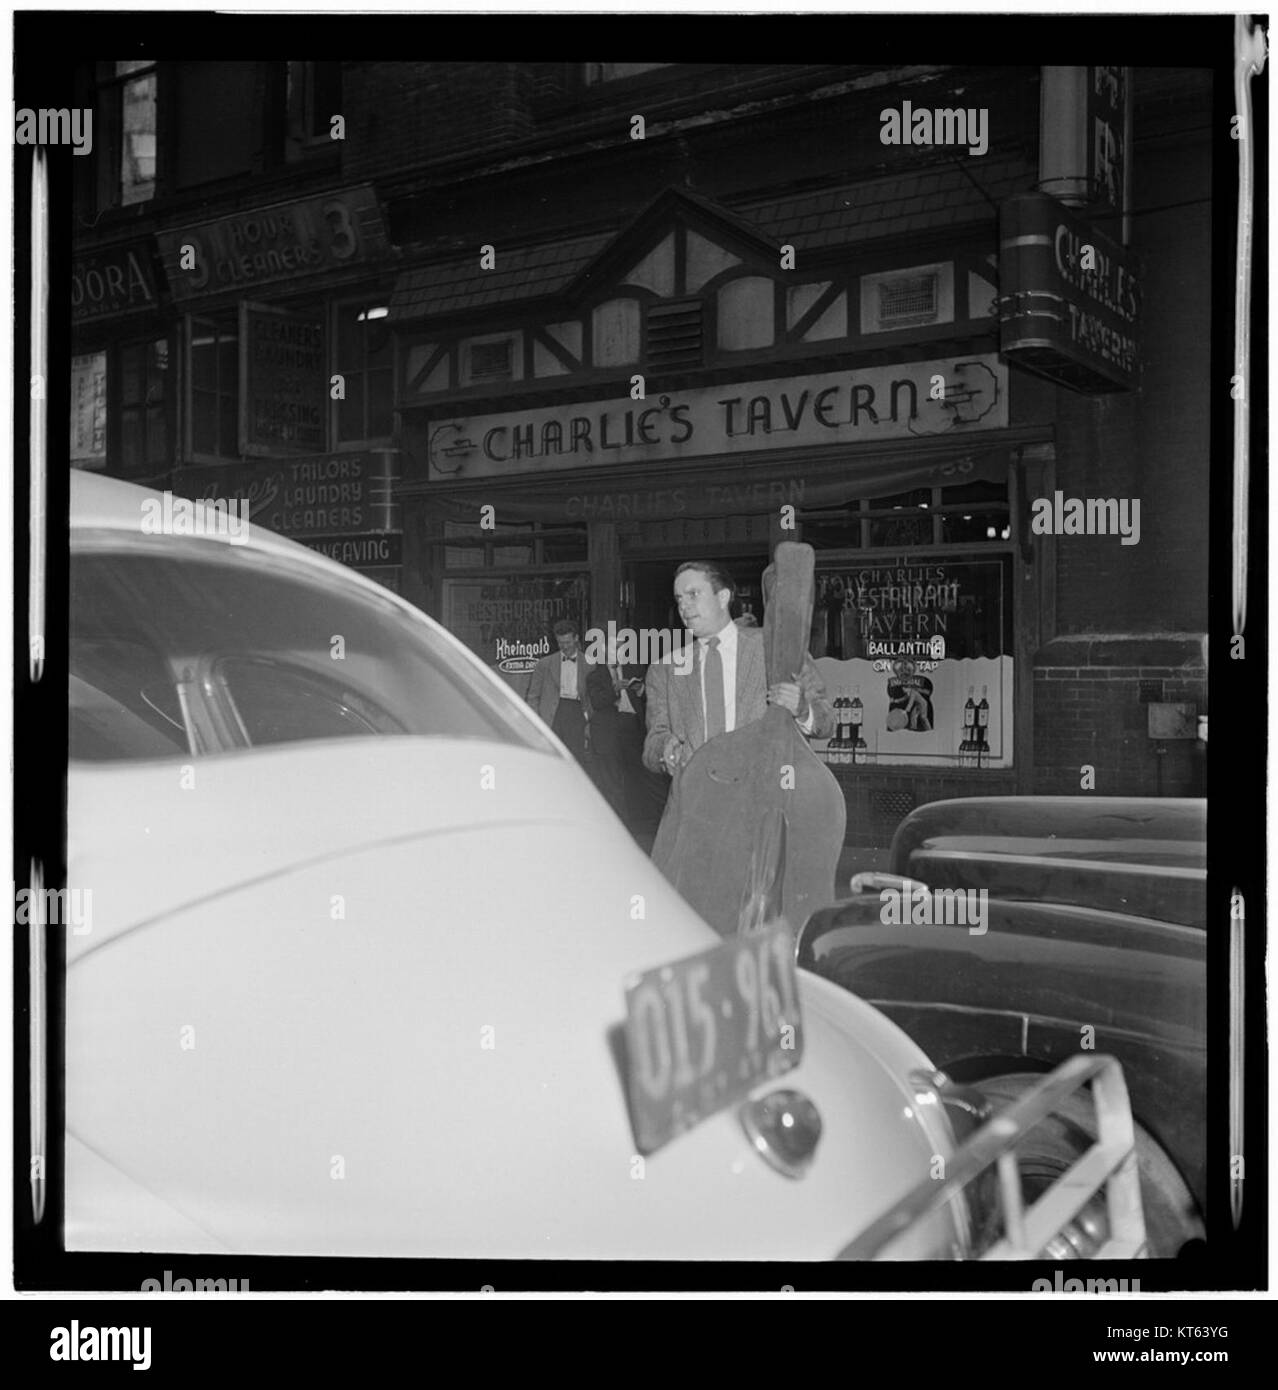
557	690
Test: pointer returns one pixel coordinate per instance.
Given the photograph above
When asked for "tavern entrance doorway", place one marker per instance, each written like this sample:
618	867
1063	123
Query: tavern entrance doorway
649	589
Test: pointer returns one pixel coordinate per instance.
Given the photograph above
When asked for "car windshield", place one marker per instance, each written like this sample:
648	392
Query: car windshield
182	648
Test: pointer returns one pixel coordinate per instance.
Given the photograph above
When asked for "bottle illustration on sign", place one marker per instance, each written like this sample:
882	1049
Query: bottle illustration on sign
839	745
967	749
982	725
856	718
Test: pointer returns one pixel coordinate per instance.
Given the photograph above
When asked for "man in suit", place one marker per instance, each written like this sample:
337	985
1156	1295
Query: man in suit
557	690
724	686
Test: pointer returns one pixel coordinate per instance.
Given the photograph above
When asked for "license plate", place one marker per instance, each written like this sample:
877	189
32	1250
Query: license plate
703	1032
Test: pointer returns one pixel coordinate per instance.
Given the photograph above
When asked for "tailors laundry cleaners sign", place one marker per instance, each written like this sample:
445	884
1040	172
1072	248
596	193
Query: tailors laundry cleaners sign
949	395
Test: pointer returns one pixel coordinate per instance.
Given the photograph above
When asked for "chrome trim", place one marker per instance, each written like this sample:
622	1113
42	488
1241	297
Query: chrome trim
784	1129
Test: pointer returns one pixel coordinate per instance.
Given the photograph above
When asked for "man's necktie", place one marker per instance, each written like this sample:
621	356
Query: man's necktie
715	723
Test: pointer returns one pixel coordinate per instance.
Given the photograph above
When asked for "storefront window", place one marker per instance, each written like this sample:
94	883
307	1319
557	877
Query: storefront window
515	547
507	620
144	399
975	512
969	514
122	408
365	361
214	395
512	544
904	519
916	651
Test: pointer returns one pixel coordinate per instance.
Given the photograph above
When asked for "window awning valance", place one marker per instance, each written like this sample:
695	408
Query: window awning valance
722	487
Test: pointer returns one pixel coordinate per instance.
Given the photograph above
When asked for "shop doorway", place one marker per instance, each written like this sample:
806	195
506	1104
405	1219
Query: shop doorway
650	590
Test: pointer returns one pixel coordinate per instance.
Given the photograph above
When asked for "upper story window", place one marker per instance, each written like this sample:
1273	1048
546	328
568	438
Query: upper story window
161	128
596	73
313	97
364	359
126	136
218	121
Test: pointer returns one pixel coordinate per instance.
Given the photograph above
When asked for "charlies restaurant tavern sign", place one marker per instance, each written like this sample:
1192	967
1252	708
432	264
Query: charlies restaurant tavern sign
1070	302
950	395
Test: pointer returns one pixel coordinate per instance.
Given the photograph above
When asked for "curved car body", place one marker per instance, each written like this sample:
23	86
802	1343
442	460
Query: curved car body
1093	940
364	995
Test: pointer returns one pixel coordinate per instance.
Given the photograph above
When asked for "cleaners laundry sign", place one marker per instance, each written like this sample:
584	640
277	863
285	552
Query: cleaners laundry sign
945	396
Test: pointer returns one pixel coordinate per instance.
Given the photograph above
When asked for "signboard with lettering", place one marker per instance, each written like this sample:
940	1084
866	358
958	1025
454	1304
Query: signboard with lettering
88	410
947	396
1085	134
925	650
894	610
283	381
1108	168
114	281
370	551
506	619
285	241
342	504
1070	298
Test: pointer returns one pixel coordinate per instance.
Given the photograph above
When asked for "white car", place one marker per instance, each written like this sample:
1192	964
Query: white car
373	970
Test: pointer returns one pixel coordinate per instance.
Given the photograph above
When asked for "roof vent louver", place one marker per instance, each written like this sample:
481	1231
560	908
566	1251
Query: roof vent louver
675	334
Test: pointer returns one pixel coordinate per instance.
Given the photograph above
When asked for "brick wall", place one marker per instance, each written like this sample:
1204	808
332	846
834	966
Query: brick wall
401	116
1090	712
1152	444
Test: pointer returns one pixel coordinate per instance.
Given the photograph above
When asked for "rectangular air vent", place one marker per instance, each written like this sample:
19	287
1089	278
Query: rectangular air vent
907	298
491	361
674	334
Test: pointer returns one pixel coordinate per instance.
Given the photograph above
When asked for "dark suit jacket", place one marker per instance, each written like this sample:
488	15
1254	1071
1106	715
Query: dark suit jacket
605	699
543	689
675	706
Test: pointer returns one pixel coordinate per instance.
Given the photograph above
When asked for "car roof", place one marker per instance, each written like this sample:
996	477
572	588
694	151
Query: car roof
100	503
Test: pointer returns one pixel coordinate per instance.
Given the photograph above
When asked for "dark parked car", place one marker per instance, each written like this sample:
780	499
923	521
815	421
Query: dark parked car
1092	940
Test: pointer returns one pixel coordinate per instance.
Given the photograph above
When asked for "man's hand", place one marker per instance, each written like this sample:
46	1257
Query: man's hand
674	754
790	695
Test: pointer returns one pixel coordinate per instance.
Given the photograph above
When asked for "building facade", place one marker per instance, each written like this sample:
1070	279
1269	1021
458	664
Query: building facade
519	338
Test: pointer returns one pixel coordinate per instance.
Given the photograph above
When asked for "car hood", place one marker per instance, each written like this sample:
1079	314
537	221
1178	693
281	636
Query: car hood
387	1021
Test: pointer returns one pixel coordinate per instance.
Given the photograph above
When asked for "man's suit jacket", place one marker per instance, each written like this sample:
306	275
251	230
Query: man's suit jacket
675	705
605	698
543	689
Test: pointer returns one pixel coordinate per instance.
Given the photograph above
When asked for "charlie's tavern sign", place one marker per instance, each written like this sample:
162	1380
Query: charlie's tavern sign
917	398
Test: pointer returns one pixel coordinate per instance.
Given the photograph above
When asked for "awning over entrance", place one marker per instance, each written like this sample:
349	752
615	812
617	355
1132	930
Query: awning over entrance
722	487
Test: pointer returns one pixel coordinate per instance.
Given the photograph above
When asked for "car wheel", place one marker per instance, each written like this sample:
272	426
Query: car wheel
1171	1215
